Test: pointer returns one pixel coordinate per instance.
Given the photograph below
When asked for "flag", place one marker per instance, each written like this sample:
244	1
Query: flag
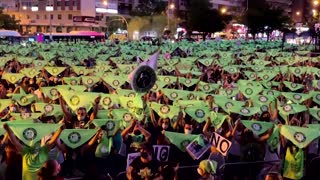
293	86
315	112
296	97
158	86
188	81
103	114
26	116
226	104
230	92
30	72
257	127
71	80
270	92
174	94
12	77
198	113
244	111
23	99
207	62
316	97
74	88
168	79
31	133
39	64
112	126
108	100
77	100
4	103
90	81
251	75
274	139
299	136
249	91
104	147
131	102
208	87
293	164
115	81
165	111
74	138
54	71
80	70
49	109
217	119
180	140
50	92
287	109
297	71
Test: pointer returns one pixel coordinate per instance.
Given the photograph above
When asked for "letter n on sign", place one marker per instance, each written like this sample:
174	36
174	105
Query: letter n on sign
220	143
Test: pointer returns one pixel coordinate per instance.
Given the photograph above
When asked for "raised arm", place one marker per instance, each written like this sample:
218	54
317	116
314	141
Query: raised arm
95	108
66	112
13	138
55	137
91	142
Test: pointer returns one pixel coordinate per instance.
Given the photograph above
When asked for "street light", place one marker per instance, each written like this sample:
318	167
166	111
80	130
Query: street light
298	13
105	3
170	8
49	8
223	10
315	2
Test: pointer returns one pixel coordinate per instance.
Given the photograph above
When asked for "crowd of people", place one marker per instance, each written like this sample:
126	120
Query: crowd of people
218	110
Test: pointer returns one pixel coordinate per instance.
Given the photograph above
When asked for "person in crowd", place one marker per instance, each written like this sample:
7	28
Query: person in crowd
50	171
207	169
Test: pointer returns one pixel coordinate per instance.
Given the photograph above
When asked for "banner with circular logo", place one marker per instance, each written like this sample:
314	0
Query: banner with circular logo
74	138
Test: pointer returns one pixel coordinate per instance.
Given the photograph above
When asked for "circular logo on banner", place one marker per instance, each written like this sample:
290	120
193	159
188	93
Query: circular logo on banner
264	108
188	81
29	134
39	64
116	83
24	99
297	70
155	87
53	92
229	91
73	82
143	79
232	70
110	125
287	108
74	137
32	72
103	149
48	108
81	72
249	84
270	93
75	100
106	101
294	85
166	79
90	81
200	113
300	137
129	104
297	97
228	105
174	95
169	68
252	75
54	70
132	94
256	126
263	99
269	84
206	87
318	97
185	143
249	91
245	111
127	117
265	77
164	109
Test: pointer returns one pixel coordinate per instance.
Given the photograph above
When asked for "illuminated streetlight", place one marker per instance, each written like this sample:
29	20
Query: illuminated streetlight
315	2
223	10
171	6
298	13
24	7
105	3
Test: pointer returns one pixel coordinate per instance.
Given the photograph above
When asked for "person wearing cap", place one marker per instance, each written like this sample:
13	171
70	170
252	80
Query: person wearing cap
206	169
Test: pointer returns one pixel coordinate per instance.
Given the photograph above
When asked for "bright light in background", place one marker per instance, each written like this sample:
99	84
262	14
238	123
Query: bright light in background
104	10
34	8
105	3
171	6
49	8
223	10
24	7
298	13
315	2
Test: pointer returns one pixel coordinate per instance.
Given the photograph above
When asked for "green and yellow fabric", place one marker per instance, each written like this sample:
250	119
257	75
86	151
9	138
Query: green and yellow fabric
12	77
299	136
54	71
257	127
180	140
75	138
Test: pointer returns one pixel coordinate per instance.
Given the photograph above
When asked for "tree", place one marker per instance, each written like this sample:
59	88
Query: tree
149	8
7	22
203	19
260	17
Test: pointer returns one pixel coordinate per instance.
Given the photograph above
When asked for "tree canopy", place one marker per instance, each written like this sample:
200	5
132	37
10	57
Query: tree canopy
149	8
261	17
204	19
8	22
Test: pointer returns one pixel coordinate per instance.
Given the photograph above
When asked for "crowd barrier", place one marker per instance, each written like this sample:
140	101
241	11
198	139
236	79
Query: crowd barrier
268	166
